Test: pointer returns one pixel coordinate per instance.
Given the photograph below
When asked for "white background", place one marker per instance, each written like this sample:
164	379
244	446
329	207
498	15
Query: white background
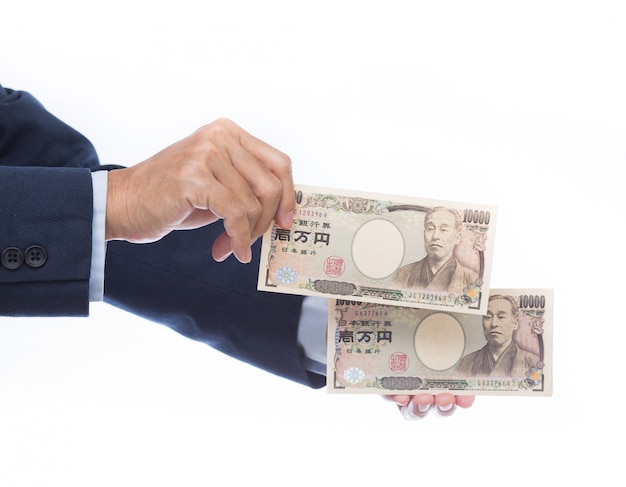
516	104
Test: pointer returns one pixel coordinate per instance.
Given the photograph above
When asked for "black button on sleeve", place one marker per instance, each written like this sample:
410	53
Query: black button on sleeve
12	258
35	256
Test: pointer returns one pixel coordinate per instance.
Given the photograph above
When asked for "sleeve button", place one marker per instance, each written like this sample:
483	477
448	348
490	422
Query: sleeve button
12	258
35	256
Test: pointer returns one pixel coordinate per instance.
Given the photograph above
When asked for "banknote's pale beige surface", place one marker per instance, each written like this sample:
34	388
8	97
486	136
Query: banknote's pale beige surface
382	249
383	349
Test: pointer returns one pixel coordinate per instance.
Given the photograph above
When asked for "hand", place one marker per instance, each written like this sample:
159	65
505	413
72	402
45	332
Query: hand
219	171
418	406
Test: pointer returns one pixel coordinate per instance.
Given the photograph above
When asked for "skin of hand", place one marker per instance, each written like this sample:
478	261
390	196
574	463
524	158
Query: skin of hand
419	405
218	172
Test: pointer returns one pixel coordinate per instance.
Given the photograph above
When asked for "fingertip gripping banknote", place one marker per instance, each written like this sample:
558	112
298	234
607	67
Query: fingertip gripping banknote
383	349
384	249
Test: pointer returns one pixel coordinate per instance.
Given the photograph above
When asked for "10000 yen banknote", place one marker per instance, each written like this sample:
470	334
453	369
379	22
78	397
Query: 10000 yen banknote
397	350
382	249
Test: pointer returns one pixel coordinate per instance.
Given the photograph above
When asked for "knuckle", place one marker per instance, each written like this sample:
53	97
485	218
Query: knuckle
273	188
204	148
255	210
283	163
237	211
224	123
218	129
286	160
191	169
269	193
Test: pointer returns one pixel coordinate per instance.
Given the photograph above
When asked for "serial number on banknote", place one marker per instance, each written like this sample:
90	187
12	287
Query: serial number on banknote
370	313
311	213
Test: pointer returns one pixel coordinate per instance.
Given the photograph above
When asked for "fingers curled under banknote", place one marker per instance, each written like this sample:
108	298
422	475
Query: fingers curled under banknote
418	406
413	411
413	407
445	410
445	404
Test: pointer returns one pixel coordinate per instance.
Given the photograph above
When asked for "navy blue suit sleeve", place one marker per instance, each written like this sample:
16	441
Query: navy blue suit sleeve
45	204
48	209
175	281
31	136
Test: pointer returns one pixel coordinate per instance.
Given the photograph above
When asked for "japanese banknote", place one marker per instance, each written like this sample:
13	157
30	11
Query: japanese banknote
382	349
382	249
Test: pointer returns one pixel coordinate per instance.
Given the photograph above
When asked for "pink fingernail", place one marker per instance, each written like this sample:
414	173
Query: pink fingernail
223	257
446	408
423	408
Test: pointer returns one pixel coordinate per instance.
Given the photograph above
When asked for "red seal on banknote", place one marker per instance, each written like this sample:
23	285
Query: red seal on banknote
398	362
334	266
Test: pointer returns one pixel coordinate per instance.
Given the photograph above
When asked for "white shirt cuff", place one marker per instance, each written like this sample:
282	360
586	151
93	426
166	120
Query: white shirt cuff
98	244
312	332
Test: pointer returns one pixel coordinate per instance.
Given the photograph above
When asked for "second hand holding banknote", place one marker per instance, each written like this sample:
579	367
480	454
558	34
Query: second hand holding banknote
384	249
397	350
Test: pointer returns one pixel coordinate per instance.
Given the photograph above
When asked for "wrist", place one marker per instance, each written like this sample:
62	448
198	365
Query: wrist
116	213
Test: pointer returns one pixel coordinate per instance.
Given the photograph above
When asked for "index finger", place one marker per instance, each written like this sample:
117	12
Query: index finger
279	164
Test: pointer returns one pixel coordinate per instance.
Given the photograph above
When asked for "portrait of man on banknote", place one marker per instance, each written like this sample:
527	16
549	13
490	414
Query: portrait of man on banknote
439	270
501	356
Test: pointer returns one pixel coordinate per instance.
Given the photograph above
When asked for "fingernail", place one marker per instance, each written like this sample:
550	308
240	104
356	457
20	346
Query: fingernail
412	411
223	257
445	408
423	408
